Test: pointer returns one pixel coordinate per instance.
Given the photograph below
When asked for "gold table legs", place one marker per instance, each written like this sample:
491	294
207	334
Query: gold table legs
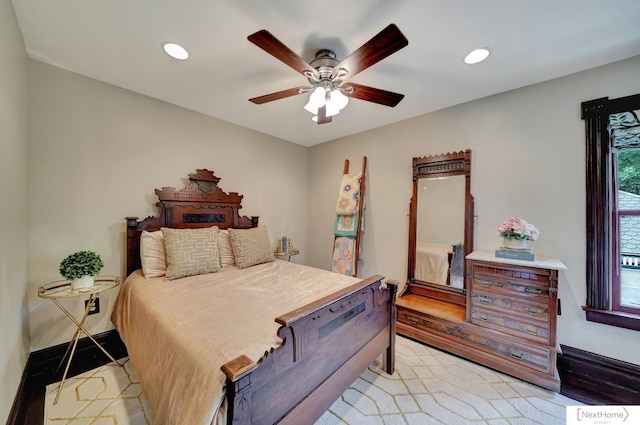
74	342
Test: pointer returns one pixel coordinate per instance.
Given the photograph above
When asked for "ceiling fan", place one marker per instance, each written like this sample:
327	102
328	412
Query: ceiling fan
326	74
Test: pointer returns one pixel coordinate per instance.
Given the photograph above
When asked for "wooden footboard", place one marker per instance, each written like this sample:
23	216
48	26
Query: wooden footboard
326	346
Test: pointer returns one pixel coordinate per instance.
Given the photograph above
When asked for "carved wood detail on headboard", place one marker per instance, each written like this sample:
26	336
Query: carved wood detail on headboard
200	204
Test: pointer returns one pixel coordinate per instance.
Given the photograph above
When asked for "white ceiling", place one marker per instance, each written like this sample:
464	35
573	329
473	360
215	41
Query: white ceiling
119	42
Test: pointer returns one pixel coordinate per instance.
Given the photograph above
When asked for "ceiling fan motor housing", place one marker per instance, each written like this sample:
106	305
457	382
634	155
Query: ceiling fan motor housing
325	58
324	63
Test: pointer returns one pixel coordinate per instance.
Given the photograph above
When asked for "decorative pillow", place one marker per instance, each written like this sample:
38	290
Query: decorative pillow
251	246
224	247
191	251
152	254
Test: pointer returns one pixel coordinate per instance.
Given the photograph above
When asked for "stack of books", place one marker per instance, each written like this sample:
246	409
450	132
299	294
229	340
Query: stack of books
515	254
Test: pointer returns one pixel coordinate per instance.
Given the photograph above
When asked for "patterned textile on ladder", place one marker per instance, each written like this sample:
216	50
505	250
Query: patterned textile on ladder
346	225
343	255
349	194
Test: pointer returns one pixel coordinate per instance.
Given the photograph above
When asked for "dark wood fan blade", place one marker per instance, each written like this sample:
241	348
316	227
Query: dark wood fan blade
385	43
277	95
267	42
322	116
371	94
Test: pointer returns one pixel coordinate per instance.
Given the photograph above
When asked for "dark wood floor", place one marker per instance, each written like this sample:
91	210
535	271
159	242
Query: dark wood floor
585	377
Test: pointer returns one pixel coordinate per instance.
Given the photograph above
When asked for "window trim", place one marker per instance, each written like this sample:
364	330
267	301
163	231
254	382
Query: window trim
595	114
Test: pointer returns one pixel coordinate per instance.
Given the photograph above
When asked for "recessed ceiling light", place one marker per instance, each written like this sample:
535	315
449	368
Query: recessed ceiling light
476	56
175	51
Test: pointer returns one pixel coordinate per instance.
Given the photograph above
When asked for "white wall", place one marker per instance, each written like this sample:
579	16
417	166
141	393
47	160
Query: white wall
96	155
528	160
14	336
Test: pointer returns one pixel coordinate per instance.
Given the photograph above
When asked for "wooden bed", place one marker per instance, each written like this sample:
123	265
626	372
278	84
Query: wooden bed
325	345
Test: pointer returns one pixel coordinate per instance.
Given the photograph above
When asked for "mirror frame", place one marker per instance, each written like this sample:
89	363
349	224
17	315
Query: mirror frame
442	165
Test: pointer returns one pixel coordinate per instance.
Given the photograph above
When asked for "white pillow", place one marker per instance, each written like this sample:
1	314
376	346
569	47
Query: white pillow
152	254
224	247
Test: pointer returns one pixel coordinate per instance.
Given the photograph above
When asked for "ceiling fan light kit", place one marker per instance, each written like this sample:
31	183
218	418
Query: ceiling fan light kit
326	75
316	100
332	99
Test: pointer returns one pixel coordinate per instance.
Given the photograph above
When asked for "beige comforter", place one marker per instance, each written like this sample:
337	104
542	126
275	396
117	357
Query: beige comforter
432	262
178	333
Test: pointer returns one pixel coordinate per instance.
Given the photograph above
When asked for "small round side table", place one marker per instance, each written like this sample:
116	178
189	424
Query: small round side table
62	289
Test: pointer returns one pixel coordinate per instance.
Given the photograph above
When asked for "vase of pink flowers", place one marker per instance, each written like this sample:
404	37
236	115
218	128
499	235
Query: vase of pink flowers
516	233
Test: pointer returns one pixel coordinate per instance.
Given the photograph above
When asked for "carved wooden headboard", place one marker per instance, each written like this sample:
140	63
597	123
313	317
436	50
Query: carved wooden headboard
200	204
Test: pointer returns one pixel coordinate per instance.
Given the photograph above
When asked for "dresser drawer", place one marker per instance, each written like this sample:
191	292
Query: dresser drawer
519	352
526	307
506	286
426	323
540	277
511	324
529	355
419	321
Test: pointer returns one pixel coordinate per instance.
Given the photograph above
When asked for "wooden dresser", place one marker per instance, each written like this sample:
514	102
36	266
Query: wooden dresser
508	323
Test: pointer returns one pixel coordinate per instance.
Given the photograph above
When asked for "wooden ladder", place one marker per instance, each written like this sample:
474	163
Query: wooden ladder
356	251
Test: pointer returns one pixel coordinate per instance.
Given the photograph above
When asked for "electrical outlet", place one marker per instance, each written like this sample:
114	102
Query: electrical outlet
96	306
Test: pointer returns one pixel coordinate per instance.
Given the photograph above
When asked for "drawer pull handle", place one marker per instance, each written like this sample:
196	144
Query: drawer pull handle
533	291
532	330
484	282
413	320
484	299
517	354
483	316
533	310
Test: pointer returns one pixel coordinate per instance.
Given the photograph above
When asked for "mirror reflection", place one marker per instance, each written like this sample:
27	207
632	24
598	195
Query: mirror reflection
440	225
440	220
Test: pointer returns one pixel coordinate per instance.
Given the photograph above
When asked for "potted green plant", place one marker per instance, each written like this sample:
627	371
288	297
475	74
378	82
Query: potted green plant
80	268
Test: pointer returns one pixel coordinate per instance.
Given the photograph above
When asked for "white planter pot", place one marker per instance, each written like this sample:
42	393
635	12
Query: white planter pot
82	282
514	243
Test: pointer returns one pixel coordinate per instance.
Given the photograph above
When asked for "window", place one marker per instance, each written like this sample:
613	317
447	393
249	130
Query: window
613	211
625	277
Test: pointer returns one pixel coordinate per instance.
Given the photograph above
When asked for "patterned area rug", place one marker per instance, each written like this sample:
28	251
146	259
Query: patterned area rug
107	395
428	387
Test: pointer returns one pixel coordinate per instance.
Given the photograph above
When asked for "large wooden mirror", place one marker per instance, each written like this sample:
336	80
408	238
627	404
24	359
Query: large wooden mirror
440	224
